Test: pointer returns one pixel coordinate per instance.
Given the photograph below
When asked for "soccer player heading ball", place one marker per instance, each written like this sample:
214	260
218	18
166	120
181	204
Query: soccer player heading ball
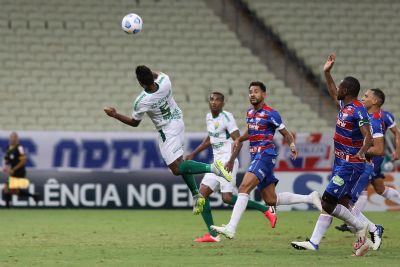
157	102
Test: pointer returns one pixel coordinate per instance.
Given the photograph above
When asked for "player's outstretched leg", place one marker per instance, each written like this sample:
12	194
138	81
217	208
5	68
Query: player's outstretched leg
269	212
320	228
288	198
194	167
223	230
361	251
304	245
199	202
211	236
376	237
7	198
344	228
219	169
391	194
238	210
25	192
375	230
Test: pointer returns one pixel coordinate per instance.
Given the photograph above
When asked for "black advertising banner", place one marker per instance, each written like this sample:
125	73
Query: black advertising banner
123	190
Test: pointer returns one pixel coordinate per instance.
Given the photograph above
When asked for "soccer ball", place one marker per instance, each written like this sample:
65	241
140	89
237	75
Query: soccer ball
388	166
132	23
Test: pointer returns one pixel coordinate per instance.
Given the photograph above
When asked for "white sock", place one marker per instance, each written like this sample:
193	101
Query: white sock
362	201
238	210
287	198
358	214
392	195
322	225
341	212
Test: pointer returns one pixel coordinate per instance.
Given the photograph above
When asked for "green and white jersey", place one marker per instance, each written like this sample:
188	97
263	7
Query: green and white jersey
219	130
160	106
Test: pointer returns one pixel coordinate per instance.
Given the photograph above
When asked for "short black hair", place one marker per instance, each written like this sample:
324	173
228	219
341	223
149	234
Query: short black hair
259	84
221	95
379	94
352	85
144	75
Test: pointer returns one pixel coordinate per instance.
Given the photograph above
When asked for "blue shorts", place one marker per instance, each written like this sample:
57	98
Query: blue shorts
377	173
345	176
362	183
263	166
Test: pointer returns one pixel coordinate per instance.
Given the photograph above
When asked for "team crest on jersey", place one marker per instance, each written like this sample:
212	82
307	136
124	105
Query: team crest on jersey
216	125
262	114
343	116
347	112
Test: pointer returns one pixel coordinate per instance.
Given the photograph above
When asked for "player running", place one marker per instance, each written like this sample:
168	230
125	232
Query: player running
157	102
377	150
352	140
373	100
262	122
222	129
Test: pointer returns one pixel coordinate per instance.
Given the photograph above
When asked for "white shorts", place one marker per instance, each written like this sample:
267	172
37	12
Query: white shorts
171	139
217	183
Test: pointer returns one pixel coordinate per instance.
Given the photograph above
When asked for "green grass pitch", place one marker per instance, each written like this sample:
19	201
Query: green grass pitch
165	238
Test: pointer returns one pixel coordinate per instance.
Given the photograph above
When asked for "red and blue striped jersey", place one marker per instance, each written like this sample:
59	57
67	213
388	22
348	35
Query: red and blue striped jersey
348	138
261	126
388	120
378	127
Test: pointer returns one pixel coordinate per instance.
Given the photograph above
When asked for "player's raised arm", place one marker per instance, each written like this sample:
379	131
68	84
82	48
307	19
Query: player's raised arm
332	89
112	112
290	140
206	143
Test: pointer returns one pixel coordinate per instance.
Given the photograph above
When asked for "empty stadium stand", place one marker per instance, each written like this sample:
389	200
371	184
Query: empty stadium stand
364	34
63	60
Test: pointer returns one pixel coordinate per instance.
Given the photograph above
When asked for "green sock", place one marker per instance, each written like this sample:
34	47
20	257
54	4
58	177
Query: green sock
193	167
251	204
191	183
207	217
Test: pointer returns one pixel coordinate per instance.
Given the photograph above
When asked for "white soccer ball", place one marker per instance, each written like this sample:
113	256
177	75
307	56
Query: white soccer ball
132	23
388	166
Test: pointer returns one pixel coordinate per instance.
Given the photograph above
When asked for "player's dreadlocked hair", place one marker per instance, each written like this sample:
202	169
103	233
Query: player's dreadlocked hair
144	75
352	85
379	94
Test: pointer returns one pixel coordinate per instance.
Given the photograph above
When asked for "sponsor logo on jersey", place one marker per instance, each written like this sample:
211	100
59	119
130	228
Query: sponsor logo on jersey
341	123
337	180
253	127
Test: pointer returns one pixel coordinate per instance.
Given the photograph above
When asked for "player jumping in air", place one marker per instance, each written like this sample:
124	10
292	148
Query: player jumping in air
352	140
157	102
262	122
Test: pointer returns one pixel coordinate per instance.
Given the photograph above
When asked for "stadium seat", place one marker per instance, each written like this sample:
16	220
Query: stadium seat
367	42
79	60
